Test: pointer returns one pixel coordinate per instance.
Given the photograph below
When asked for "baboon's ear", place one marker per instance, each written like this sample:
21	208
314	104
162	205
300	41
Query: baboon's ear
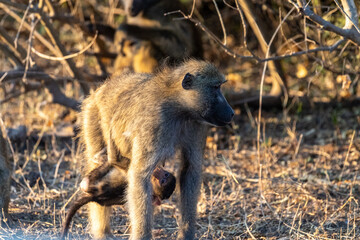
187	81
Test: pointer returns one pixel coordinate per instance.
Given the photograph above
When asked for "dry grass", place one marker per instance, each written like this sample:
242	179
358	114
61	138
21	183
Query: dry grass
304	186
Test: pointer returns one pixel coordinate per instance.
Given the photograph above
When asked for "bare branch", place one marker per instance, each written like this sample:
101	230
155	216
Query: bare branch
57	96
257	26
253	56
58	50
14	60
17	74
21	24
38	36
53	36
242	21
319	49
67	56
27	87
17	50
15	5
351	34
350	12
212	36
262	89
28	59
221	22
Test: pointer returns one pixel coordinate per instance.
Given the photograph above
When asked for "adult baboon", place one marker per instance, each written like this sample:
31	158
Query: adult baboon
106	185
5	176
135	55
147	119
148	36
157	36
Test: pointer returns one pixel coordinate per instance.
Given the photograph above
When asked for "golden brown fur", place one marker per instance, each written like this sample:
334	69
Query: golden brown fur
135	55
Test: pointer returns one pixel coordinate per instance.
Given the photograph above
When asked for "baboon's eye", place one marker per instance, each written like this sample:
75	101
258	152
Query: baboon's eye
166	175
187	81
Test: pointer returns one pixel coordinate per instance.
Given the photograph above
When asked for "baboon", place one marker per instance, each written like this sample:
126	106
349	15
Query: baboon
135	55
155	36
106	185
148	119
147	37
5	176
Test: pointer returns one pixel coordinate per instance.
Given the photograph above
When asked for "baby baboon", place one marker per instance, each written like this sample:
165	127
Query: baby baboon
106	185
148	36
5	176
147	119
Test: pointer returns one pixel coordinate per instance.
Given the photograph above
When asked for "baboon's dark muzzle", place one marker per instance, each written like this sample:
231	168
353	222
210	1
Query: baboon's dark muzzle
224	115
220	115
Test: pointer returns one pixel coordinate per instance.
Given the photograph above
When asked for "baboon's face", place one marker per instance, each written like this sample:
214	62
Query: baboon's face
214	109
163	183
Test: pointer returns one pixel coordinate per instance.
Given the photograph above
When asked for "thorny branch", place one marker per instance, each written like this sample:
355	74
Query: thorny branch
351	34
346	32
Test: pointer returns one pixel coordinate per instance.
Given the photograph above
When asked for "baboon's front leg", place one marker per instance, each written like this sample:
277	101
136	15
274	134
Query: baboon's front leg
190	182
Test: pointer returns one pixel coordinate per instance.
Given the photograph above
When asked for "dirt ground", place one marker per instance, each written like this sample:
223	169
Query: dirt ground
302	184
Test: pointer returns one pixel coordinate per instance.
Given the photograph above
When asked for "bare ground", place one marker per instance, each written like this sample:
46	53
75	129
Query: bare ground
303	185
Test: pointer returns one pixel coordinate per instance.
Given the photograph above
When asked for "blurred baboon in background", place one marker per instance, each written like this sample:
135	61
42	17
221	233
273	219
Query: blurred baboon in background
147	37
148	119
5	176
155	36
